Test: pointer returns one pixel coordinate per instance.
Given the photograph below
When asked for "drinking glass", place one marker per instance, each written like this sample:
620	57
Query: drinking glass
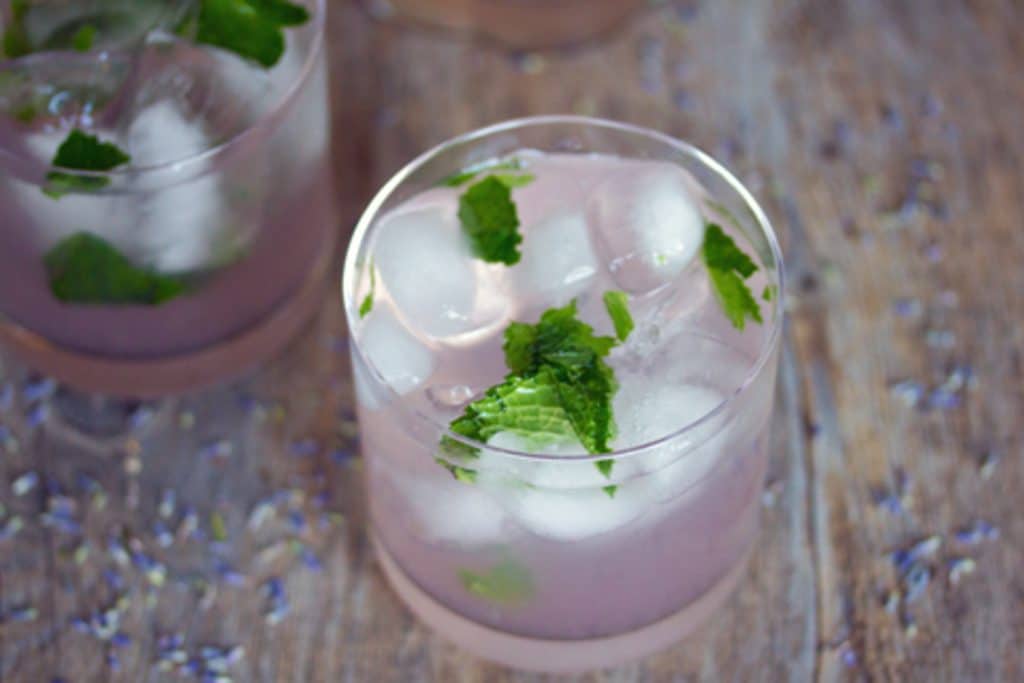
227	196
527	560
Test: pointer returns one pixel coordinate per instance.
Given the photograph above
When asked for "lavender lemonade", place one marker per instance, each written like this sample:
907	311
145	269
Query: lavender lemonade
166	215
564	365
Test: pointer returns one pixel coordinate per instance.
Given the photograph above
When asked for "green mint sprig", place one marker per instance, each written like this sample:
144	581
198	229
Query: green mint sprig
82	152
729	267
617	304
252	29
84	37
490	221
367	305
86	269
15	39
506	583
558	387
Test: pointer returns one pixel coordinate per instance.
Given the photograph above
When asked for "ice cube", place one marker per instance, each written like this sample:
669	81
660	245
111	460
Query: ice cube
430	274
648	409
181	227
567	515
648	224
400	358
453	512
563	501
558	261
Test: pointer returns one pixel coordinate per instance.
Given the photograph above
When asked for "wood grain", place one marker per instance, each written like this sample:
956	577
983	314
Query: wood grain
885	142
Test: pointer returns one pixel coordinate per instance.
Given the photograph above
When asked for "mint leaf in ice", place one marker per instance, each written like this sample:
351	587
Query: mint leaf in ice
514	180
15	41
617	304
506	583
252	29
86	269
463	177
729	266
82	152
558	386
529	407
490	221
83	39
367	305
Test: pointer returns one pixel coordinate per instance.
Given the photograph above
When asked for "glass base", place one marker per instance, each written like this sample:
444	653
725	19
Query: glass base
557	656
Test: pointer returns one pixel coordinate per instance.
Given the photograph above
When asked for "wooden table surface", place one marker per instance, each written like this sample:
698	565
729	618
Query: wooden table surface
885	140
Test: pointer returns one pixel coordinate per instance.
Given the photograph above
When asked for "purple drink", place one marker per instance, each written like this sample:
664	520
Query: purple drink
227	195
503	529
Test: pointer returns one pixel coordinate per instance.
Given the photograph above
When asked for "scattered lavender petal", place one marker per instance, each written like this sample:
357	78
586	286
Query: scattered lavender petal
959	567
11	527
905	558
25	483
113	579
164	537
228	574
297	520
987	466
917	579
120	639
310	559
37	414
942	399
848	656
907	307
892	601
6	396
341	456
168	500
38	389
217	449
976	533
22	614
909	391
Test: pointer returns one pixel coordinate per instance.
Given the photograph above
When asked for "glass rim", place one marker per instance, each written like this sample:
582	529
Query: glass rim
318	24
373	210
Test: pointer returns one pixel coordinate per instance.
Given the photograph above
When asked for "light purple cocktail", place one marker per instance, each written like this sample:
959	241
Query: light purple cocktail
222	197
499	516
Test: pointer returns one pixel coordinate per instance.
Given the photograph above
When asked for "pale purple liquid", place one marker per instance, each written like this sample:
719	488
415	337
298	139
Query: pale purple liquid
273	217
685	532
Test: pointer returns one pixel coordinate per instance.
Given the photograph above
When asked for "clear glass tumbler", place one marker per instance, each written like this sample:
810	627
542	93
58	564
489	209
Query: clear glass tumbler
523	24
202	254
531	559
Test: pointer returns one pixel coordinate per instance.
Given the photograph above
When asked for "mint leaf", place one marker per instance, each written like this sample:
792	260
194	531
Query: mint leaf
558	387
82	152
367	305
463	177
83	39
529	407
514	180
15	41
466	476
251	29
729	266
506	583
769	293
490	220
86	269
617	304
